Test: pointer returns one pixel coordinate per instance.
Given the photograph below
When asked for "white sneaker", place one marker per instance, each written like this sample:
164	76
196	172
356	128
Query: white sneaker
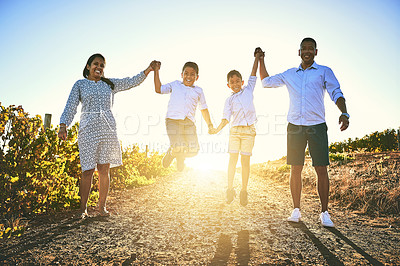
295	217
325	219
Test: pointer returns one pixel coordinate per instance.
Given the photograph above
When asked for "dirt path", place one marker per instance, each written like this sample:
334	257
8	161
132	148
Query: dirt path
183	220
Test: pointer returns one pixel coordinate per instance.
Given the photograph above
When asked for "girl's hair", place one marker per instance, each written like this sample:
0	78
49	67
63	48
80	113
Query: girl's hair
86	71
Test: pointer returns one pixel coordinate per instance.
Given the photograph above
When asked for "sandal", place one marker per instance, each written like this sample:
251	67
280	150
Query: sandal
103	212
84	215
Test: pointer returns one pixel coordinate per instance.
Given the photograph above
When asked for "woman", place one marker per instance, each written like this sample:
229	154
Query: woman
97	139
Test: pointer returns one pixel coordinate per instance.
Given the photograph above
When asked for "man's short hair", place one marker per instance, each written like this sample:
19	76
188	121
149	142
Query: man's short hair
233	73
308	39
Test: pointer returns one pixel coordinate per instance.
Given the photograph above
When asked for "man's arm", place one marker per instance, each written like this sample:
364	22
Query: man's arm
343	120
263	70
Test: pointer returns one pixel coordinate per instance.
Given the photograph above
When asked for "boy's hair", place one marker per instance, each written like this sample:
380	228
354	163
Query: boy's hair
192	65
233	73
308	39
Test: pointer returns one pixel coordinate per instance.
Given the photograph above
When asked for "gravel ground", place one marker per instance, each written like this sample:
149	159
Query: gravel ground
183	219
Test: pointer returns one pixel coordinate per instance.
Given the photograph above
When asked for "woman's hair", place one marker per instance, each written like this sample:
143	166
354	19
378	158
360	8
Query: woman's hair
86	71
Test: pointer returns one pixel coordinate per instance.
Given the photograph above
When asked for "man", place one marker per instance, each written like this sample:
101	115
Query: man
306	121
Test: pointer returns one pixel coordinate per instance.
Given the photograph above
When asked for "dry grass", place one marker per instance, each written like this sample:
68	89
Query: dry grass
369	183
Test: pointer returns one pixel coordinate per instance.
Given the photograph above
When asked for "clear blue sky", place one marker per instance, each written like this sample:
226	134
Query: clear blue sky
45	44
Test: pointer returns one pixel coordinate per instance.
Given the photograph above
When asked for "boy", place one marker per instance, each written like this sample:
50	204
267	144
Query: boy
307	85
240	107
180	118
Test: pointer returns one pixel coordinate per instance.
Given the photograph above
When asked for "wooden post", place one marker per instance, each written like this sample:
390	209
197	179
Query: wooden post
47	120
147	150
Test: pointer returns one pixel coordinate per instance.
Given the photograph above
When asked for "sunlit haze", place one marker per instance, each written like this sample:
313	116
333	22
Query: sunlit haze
45	45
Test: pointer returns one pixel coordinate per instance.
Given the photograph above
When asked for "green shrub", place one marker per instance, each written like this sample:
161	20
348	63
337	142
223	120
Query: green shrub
37	171
284	168
340	157
375	142
40	173
138	169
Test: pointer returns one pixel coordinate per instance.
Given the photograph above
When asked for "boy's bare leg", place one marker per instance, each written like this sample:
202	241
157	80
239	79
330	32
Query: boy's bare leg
245	160
296	184
179	153
191	151
233	158
84	188
323	186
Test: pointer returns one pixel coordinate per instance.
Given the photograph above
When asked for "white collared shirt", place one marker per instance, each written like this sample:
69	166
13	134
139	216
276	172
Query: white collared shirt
183	100
240	106
306	92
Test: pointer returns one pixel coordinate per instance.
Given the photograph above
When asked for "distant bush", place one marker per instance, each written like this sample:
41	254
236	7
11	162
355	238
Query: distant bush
375	142
138	169
284	168
340	157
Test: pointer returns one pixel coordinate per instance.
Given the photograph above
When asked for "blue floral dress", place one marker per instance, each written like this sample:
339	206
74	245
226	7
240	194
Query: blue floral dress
97	138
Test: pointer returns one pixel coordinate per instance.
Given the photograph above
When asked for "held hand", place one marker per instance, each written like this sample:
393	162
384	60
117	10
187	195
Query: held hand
62	133
212	131
152	66
259	53
158	65
155	65
343	122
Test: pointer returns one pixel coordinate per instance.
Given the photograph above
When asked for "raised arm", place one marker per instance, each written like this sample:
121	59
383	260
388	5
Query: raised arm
157	82
150	68
255	64
263	70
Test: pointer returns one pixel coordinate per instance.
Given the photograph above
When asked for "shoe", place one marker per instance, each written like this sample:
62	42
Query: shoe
325	219
295	217
180	163
243	198
167	159
230	195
